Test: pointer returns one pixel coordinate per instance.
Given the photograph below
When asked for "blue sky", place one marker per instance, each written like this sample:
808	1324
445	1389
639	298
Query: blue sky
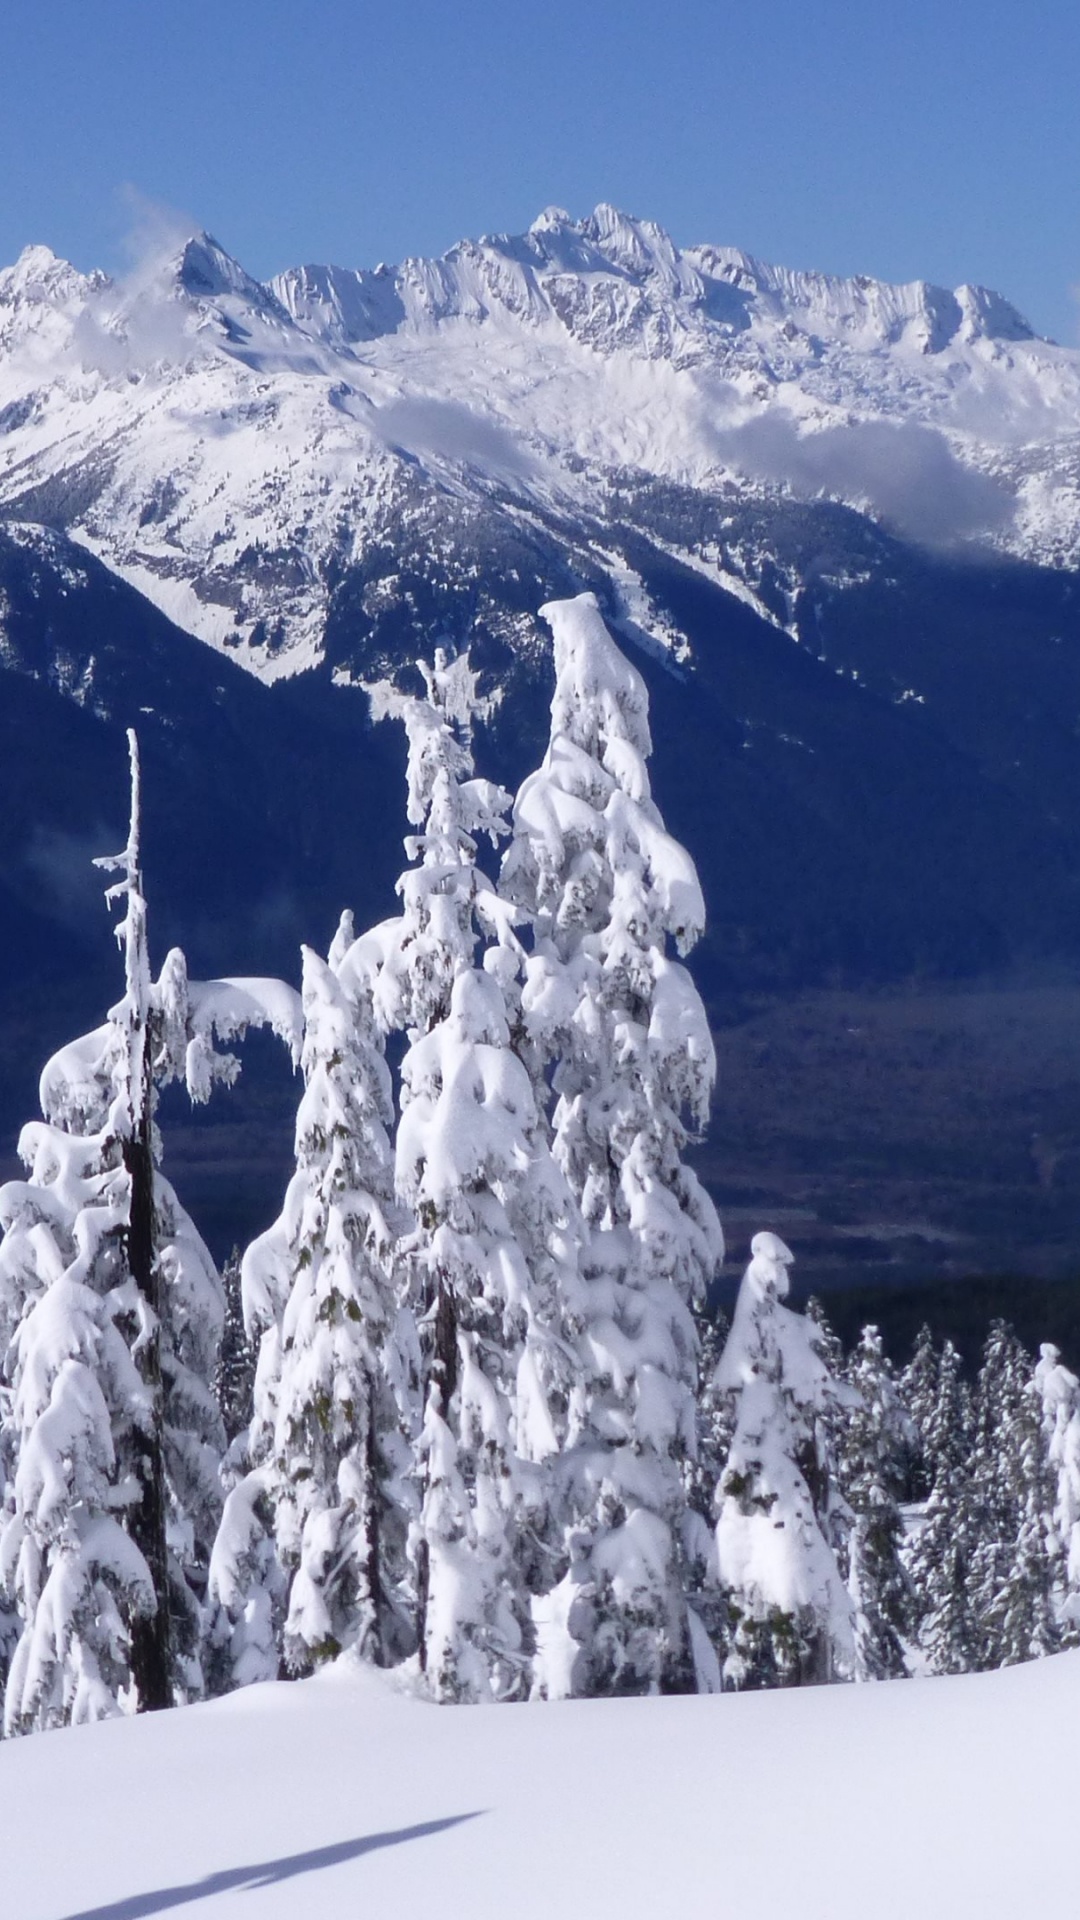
939	140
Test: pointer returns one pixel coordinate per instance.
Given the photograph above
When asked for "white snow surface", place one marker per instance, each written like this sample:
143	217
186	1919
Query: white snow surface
191	424
338	1797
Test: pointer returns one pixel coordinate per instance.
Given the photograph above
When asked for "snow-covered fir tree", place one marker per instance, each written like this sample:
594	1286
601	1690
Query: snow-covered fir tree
778	1499
234	1373
702	1471
828	1341
707	1599
1059	1396
113	1310
76	1578
941	1558
918	1388
872	1443
493	1250
834	1421
1013	1563
618	1024
333	1397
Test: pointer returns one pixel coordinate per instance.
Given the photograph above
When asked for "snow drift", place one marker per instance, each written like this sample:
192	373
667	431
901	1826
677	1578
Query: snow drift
334	1796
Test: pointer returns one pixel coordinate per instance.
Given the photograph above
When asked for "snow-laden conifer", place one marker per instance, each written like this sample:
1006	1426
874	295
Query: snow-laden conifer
873	1441
493	1248
333	1413
1059	1395
708	1603
778	1498
834	1422
77	1580
942	1556
1013	1563
828	1341
918	1388
620	1026
234	1374
113	1309
447	900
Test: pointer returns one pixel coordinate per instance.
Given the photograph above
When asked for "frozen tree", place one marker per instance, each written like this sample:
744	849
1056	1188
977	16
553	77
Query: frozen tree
918	1386
472	1161
778	1500
1059	1395
9	1618
447	900
942	1555
333	1400
493	1250
617	1023
708	1611
872	1443
247	1587
77	1579
234	1373
703	1469
1013	1563
113	1310
834	1417
829	1344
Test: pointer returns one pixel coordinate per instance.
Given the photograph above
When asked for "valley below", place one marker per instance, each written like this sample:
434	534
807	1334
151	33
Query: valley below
919	1151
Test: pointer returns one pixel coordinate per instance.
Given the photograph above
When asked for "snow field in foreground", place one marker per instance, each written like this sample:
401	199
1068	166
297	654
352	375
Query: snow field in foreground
931	1798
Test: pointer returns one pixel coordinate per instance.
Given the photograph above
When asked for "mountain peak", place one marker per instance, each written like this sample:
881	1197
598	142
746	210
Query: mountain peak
550	364
551	220
637	246
205	270
36	262
42	277
990	316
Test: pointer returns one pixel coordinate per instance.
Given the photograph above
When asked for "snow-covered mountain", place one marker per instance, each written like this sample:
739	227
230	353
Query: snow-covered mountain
247	455
837	522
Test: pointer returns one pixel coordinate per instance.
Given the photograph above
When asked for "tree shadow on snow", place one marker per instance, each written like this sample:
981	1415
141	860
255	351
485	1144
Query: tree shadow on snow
267	1874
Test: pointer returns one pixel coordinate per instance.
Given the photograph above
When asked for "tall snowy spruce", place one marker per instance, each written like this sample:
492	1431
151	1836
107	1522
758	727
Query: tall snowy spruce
709	1613
873	1442
779	1504
619	1027
112	1312
918	1387
943	1552
316	1528
493	1248
1013	1562
233	1379
1058	1391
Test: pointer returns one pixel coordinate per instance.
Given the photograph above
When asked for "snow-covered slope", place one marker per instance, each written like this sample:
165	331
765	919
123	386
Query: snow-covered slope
949	1799
235	449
